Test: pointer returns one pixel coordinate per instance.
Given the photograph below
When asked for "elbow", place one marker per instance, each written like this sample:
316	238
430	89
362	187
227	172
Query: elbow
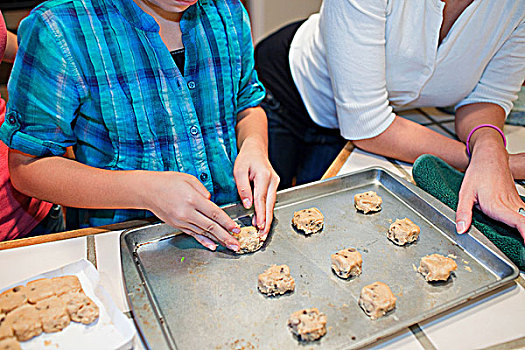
17	165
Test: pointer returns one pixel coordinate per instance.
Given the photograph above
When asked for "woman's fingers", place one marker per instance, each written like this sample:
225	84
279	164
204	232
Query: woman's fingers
467	199
508	213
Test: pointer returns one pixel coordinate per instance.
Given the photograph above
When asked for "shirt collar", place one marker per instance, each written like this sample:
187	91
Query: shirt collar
135	15
140	19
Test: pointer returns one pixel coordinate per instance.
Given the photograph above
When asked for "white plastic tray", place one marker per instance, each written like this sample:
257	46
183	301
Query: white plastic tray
113	330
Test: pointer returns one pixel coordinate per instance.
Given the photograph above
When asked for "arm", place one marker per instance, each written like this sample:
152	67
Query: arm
176	198
488	181
11	48
406	140
252	166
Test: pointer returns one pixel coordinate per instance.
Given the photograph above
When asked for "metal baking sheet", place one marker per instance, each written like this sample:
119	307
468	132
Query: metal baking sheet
186	297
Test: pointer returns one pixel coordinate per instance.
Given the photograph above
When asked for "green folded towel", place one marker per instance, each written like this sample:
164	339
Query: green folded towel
443	182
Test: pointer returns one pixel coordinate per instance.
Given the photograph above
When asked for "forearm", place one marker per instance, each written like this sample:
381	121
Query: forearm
470	116
11	48
252	127
406	141
70	183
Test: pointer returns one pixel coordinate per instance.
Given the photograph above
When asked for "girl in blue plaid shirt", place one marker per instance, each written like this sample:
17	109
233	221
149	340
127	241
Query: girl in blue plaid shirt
123	109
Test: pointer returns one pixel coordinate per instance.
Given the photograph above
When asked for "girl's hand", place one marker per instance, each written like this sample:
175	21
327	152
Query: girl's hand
183	202
253	167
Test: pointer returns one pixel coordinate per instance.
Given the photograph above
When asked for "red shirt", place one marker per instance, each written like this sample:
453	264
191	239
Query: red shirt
19	214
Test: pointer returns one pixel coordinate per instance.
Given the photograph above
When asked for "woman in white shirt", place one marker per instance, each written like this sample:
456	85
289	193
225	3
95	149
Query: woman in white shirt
358	61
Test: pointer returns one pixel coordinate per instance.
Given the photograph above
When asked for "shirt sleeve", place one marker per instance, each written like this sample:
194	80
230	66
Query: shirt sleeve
251	91
502	78
353	34
43	94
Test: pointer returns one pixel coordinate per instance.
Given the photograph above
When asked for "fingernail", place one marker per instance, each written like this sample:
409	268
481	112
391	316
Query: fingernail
246	203
461	227
236	230
211	247
261	226
233	247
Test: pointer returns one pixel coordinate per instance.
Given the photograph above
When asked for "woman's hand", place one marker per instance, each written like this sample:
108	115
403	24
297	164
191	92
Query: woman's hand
489	184
183	202
253	167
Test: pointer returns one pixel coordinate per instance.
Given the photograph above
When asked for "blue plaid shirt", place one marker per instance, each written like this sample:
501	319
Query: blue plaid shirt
95	75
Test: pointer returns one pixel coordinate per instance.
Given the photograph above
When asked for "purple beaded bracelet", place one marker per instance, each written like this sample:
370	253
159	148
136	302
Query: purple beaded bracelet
485	126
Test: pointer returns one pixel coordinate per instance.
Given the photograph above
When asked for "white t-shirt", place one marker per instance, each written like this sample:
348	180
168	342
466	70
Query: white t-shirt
358	60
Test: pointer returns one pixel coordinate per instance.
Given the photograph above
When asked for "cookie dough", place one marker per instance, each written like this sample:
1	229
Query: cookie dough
249	240
403	231
66	284
436	267
9	344
12	298
53	314
376	300
5	328
80	308
25	322
276	280
39	290
307	324
308	220
368	202
347	263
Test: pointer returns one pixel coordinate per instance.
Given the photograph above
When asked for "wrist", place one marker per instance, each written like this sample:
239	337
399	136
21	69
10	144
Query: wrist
489	152
139	187
486	138
256	144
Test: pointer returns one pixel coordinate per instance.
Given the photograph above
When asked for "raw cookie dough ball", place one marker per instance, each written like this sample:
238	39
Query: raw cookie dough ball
308	220
376	300
276	280
307	324
25	322
249	240
5	328
80	308
436	267
66	284
368	202
40	289
9	344
53	314
347	263
403	231
13	298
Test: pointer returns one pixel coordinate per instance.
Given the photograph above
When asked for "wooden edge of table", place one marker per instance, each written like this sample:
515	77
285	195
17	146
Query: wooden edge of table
332	171
339	161
22	242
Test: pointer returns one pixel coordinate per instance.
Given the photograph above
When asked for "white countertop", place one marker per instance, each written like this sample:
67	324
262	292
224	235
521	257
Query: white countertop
495	319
